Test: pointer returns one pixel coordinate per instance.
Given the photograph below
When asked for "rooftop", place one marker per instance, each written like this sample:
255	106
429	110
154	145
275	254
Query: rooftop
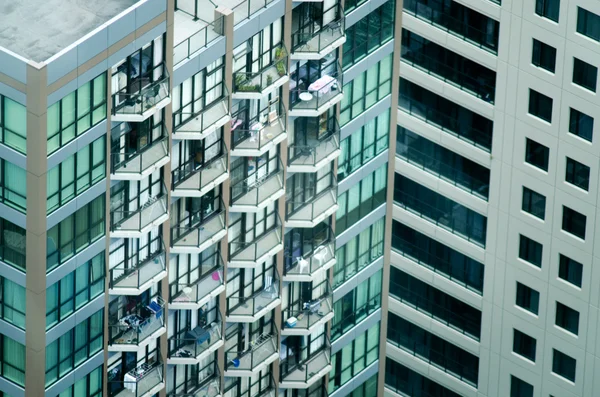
39	29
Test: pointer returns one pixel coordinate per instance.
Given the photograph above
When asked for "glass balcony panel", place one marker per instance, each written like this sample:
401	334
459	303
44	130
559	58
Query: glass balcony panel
134	327
258	189
192	179
142	95
317	95
267	78
312	42
262	350
204	282
245	9
314	254
309	158
192	343
254	135
136	162
200	124
205	228
135	221
307	365
253	253
142	381
314	210
133	273
191	33
302	316
246	307
207	384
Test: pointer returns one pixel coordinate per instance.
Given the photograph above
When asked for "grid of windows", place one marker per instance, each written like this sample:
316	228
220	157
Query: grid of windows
544	56
12	244
578	174
573	222
584	74
13	186
366	89
537	154
12	302
12	360
76	113
581	125
76	174
354	358
570	270
524	345
528	298
361	199
74	290
75	233
90	386
588	24
530	250
567	318
534	203
74	347
412	384
356	305
363	145
540	105
358	253
13	124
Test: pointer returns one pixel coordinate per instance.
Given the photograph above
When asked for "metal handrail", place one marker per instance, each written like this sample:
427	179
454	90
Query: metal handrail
179	233
188	169
127	268
249	302
246	81
253	183
144	98
318	97
177	289
300	39
292	363
151	203
187	118
197	41
237	246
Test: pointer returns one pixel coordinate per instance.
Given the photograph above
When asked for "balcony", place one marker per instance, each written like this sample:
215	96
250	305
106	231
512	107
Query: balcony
241	309
207	383
261	352
307	259
131	330
205	283
196	178
268	77
145	380
199	230
259	189
143	96
313	96
198	125
139	221
192	346
251	254
191	33
303	318
255	135
314	42
136	153
316	150
306	365
312	210
136	273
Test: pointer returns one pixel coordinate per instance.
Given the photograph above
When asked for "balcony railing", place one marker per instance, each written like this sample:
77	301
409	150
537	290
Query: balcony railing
317	153
252	253
268	78
143	381
302	317
189	47
314	43
142	96
207	282
138	272
138	327
260	352
307	365
259	189
255	136
317	254
246	8
318	95
246	309
208	383
136	164
199	124
199	230
196	177
132	223
193	344
314	210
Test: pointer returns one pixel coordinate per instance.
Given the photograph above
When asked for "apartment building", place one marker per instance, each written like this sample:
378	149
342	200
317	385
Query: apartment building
493	268
196	196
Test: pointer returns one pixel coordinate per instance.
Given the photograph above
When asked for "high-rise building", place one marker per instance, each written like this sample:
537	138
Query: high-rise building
196	196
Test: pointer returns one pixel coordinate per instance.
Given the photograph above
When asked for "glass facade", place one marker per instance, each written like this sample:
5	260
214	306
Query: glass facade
12	302
89	386
12	360
13	186
13	124
12	244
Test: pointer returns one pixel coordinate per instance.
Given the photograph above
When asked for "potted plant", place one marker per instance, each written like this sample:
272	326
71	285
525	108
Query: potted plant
269	80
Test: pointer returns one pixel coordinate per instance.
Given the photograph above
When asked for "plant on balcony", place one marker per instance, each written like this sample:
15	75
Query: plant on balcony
242	86
280	55
269	80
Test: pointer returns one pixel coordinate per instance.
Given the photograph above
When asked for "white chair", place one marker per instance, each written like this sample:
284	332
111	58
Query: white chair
302	265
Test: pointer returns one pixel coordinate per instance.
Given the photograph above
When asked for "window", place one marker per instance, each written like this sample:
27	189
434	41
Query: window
12	360
75	233
367	389
588	24
567	318
563	365
76	174
76	113
520	388
544	56
412	384
540	105
581	124
578	174
13	186
524	345
536	154
12	244
74	290
584	74
548	9
13	124
90	385
12	302
573	222
570	270
363	145
74	347
366	89
534	203
527	298
358	253
530	251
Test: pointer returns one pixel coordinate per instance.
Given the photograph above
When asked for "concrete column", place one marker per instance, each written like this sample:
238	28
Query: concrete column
37	165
